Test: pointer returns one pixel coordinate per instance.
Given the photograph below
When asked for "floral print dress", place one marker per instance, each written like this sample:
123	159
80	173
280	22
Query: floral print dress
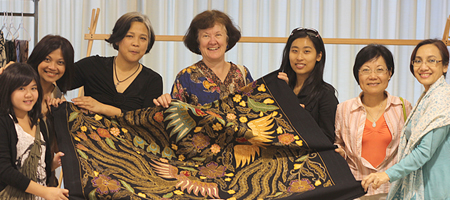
199	85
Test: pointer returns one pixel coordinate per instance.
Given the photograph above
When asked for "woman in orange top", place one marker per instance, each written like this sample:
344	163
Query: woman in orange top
368	126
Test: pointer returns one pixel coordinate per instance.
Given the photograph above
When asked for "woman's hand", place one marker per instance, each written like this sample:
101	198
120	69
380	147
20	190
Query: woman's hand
94	106
57	160
283	76
164	100
4	67
376	179
54	102
49	193
54	193
340	151
88	103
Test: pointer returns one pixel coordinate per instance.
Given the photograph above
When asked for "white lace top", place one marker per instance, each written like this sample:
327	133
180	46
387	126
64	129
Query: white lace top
24	144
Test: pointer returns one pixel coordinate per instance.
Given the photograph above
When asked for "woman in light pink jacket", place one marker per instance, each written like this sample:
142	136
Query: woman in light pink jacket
368	127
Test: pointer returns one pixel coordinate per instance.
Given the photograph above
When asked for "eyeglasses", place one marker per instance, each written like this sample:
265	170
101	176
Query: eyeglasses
368	71
307	30
431	62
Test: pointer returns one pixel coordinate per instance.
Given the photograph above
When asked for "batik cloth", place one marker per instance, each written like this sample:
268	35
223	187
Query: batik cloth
255	144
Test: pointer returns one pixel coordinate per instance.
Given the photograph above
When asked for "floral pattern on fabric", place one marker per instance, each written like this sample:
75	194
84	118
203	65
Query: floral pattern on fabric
240	147
199	85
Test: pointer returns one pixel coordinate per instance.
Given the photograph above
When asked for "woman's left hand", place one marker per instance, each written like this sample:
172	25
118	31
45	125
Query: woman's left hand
376	179
57	160
283	76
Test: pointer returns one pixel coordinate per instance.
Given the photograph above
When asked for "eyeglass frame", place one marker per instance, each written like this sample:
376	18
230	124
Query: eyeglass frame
413	62
385	70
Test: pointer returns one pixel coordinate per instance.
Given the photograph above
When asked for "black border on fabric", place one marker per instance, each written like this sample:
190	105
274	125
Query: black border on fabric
299	117
346	187
71	171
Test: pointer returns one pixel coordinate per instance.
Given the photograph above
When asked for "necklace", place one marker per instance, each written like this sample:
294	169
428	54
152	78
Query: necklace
374	124
117	78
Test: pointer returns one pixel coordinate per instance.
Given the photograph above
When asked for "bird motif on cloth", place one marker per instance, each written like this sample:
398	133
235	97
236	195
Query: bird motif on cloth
257	137
186	182
180	119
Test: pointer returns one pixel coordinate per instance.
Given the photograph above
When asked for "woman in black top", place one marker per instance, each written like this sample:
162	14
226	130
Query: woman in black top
302	68
113	85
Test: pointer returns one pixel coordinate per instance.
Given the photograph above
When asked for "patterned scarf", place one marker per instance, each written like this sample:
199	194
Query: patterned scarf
432	111
28	169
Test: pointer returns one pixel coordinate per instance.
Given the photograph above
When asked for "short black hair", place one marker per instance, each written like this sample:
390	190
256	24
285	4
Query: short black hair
123	24
207	19
372	52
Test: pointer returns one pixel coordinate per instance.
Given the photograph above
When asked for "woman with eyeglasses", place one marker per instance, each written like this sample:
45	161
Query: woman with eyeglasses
211	34
368	127
302	68
422	171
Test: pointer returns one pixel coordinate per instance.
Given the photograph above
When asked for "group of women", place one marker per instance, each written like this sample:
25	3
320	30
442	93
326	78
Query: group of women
382	138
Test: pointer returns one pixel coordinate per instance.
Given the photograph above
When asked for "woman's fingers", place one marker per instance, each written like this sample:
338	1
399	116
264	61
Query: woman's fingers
283	76
164	100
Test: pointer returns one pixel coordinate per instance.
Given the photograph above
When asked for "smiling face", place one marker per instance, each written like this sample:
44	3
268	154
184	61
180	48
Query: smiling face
24	98
133	46
213	43
428	73
374	82
52	68
303	57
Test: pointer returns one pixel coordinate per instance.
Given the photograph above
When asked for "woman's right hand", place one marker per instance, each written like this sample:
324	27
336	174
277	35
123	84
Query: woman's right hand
54	193
376	179
340	151
4	67
48	193
164	100
283	76
54	101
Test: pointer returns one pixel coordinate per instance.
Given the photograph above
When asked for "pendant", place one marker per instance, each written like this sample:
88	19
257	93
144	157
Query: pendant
374	124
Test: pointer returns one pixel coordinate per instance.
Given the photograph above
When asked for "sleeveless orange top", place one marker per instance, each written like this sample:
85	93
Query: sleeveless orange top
375	141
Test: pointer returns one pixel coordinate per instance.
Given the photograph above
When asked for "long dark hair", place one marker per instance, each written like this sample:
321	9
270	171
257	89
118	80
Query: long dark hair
15	76
47	45
314	83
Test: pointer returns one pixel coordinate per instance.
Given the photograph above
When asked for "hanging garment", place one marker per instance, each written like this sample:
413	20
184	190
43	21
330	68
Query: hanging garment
2	50
255	144
21	51
10	48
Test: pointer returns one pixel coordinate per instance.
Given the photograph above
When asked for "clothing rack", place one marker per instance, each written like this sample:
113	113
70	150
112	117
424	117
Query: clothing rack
179	38
35	15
